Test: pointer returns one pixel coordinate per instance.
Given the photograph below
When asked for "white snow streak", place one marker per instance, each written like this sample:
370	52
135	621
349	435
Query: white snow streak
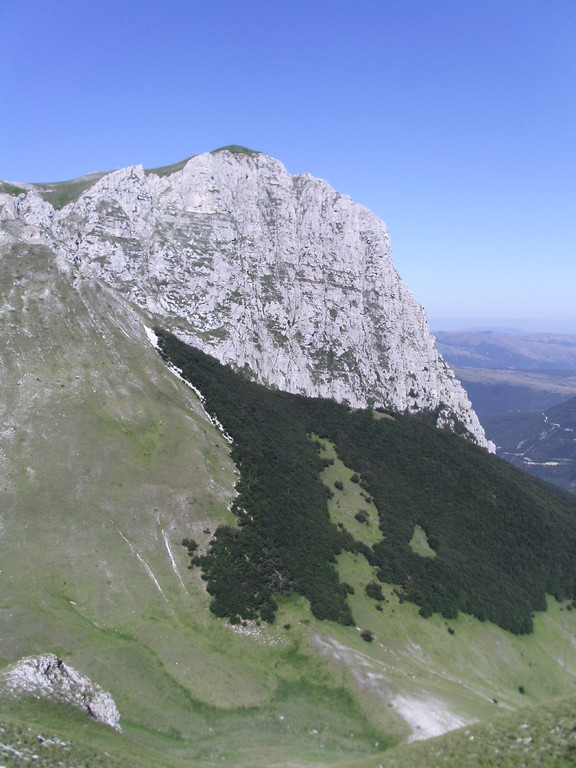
213	420
144	565
151	336
173	561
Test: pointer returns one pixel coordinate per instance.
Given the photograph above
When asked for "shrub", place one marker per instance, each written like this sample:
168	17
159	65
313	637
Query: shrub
190	545
374	590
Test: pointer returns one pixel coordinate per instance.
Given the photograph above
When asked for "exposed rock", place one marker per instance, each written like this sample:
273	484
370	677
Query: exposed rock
47	676
278	275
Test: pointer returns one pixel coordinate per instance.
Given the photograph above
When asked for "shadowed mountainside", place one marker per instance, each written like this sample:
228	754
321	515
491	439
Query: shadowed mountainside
501	542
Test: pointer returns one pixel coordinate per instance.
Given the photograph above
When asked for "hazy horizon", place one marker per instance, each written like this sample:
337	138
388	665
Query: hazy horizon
503	325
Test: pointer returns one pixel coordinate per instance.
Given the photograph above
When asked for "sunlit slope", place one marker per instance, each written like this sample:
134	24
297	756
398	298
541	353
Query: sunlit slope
107	463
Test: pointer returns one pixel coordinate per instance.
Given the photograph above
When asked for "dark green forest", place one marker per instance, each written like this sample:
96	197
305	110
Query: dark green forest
502	540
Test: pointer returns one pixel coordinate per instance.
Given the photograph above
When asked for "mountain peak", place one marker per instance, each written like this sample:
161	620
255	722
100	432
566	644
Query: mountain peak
277	275
237	149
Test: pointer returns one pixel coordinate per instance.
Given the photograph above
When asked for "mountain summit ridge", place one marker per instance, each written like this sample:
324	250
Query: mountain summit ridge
275	274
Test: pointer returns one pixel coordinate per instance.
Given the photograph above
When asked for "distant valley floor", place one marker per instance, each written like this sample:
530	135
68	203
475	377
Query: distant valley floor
523	388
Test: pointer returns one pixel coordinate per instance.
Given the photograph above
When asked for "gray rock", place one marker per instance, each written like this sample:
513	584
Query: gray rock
47	676
278	275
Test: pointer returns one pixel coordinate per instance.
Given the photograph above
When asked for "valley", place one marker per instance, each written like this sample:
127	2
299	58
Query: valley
524	391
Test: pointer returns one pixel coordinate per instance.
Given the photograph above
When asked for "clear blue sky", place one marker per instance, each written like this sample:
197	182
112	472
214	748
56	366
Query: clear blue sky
453	120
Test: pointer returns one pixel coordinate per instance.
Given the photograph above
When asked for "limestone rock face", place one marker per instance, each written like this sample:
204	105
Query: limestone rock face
47	676
278	275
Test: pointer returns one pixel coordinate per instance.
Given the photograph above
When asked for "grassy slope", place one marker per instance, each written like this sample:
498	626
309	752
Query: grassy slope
104	454
476	667
543	736
60	193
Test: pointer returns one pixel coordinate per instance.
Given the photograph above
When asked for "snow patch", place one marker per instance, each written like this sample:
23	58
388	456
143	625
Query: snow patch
257	632
427	716
153	339
212	419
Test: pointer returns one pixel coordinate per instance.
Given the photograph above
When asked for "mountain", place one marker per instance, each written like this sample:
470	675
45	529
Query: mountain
118	474
500	350
279	275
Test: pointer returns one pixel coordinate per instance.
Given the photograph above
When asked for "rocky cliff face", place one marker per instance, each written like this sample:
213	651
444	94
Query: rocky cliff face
275	274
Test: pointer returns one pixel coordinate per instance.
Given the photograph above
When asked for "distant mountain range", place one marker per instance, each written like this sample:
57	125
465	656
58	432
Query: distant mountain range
523	387
499	350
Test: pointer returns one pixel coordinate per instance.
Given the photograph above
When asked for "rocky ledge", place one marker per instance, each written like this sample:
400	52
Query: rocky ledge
48	676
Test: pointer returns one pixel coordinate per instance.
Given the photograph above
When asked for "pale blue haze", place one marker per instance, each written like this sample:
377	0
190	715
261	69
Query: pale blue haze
453	120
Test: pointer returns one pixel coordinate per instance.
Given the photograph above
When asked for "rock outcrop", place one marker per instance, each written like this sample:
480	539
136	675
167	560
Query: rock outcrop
47	676
278	275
